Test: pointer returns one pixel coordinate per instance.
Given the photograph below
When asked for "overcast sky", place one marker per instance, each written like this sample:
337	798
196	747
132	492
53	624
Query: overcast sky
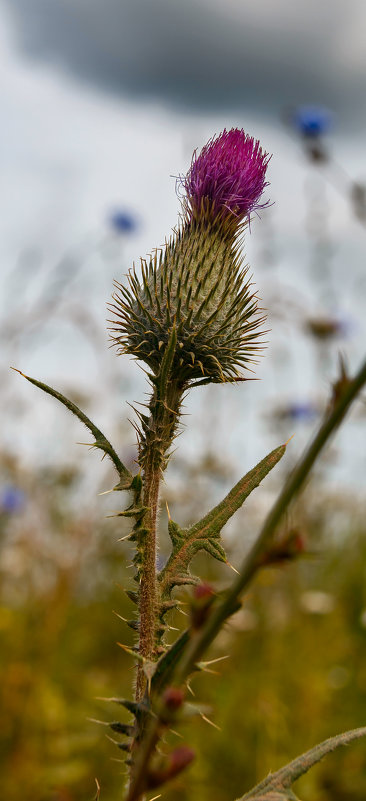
217	53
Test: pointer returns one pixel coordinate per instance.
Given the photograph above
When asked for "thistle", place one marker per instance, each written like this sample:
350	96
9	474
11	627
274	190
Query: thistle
198	284
193	319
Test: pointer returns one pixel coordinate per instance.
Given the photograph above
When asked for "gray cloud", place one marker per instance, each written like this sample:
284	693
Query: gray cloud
205	53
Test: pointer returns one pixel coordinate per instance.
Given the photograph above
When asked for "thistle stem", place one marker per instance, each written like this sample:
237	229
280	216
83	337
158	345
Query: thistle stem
147	591
157	436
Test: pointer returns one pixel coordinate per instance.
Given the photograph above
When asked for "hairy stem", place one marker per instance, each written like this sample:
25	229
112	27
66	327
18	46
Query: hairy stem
147	591
158	431
156	436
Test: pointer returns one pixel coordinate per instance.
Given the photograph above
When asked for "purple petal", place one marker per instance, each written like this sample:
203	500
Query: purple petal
228	176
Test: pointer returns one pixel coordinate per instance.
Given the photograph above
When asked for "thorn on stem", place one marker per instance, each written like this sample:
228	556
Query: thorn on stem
207	720
232	567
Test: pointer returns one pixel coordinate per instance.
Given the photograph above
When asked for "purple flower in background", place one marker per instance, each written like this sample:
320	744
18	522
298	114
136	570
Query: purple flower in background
123	222
312	121
12	499
227	177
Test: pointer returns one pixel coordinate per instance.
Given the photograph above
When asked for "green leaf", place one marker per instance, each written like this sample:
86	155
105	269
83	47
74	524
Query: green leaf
205	534
214	521
101	441
277	786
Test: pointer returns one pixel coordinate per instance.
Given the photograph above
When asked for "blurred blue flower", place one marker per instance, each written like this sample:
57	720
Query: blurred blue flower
12	499
301	412
123	222
312	121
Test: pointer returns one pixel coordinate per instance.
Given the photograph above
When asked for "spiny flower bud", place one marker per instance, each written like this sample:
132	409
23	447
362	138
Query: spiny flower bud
170	766
173	698
286	549
169	704
198	284
201	601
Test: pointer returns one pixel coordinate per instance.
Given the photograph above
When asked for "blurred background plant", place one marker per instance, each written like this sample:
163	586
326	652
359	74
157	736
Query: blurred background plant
89	140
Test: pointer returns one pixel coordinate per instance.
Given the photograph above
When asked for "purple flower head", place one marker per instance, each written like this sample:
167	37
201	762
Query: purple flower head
227	177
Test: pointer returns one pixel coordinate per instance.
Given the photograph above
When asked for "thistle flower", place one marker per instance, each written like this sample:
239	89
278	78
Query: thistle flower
198	284
227	177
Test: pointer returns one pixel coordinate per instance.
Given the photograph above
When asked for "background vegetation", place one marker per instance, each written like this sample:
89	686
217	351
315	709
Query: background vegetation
295	671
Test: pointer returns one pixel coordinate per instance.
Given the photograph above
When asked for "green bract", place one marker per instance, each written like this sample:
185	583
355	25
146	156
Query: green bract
199	284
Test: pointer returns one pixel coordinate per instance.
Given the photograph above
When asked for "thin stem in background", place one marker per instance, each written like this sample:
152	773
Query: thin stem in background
251	562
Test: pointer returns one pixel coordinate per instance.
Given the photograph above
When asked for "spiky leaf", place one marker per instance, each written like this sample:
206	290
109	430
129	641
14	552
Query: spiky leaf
277	786
101	441
205	535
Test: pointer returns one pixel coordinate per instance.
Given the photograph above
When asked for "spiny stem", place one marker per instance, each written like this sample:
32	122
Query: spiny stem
147	593
155	438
